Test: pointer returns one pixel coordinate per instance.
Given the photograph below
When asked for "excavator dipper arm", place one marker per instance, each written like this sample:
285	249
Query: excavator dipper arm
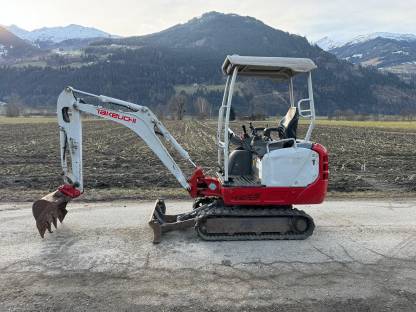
139	119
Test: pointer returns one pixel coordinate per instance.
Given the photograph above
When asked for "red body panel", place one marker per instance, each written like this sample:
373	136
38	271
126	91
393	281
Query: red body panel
314	193
69	190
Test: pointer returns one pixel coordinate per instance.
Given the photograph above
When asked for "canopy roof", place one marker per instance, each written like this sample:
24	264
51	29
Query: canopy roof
271	67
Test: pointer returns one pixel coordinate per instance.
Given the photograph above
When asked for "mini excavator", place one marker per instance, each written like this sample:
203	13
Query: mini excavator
257	184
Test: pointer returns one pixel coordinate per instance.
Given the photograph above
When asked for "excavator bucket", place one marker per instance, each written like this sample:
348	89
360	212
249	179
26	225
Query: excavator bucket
49	209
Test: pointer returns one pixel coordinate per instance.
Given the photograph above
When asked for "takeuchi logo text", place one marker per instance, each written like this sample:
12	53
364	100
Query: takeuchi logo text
104	112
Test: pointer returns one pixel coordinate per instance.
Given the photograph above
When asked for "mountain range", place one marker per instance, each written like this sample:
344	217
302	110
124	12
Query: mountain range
17	43
391	52
328	43
11	46
58	34
149	69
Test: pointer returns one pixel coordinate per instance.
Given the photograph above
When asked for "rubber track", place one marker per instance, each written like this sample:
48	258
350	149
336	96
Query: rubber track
252	212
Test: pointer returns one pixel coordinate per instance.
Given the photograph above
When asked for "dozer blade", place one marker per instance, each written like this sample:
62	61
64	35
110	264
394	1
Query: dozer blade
160	222
49	209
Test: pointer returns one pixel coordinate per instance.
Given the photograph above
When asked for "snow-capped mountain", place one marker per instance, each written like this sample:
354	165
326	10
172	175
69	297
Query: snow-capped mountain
328	43
12	47
385	35
387	51
59	34
17	31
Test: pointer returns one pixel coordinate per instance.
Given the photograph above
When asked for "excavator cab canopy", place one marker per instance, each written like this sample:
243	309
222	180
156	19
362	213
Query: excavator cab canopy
269	67
277	68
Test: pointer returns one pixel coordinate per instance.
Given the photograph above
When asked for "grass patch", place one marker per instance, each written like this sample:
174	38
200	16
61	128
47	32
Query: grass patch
408	125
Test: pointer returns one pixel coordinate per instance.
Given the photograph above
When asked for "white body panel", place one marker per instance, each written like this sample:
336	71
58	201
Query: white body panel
289	167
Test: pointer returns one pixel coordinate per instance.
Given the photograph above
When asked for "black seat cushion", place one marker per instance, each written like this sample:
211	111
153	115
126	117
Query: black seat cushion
288	125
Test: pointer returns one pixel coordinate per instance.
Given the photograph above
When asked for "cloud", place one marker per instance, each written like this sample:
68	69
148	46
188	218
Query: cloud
314	19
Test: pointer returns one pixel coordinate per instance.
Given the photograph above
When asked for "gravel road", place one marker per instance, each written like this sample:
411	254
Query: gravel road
362	257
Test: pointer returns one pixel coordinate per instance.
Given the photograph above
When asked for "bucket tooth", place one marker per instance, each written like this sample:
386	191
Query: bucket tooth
48	210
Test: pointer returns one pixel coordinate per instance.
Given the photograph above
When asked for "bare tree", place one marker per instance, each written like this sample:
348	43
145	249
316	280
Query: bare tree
177	105
407	114
338	114
202	107
13	106
12	110
249	97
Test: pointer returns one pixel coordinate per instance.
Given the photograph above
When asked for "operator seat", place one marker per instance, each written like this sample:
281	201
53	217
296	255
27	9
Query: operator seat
288	125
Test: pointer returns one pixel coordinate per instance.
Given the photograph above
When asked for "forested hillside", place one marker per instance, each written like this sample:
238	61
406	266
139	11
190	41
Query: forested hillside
149	69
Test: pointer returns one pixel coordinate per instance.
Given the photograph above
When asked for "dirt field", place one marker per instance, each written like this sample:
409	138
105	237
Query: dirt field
376	160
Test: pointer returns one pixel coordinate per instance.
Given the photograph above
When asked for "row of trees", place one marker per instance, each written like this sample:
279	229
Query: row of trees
178	104
15	107
149	75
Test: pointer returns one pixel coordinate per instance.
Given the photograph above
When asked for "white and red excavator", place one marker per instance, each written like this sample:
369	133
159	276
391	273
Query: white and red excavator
253	193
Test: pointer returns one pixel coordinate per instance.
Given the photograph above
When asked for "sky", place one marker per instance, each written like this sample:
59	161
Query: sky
311	18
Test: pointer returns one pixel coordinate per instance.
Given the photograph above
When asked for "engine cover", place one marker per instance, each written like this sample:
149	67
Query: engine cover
289	167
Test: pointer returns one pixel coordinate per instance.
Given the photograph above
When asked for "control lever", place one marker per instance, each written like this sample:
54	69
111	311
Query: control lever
253	131
245	134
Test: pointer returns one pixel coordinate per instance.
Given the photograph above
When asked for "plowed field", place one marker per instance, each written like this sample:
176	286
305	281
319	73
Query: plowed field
117	164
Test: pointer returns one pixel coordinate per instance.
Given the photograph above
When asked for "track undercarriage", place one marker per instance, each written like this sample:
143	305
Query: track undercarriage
214	221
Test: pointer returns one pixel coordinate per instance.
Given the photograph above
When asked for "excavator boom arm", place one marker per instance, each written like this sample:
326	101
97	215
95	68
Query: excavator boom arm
138	118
